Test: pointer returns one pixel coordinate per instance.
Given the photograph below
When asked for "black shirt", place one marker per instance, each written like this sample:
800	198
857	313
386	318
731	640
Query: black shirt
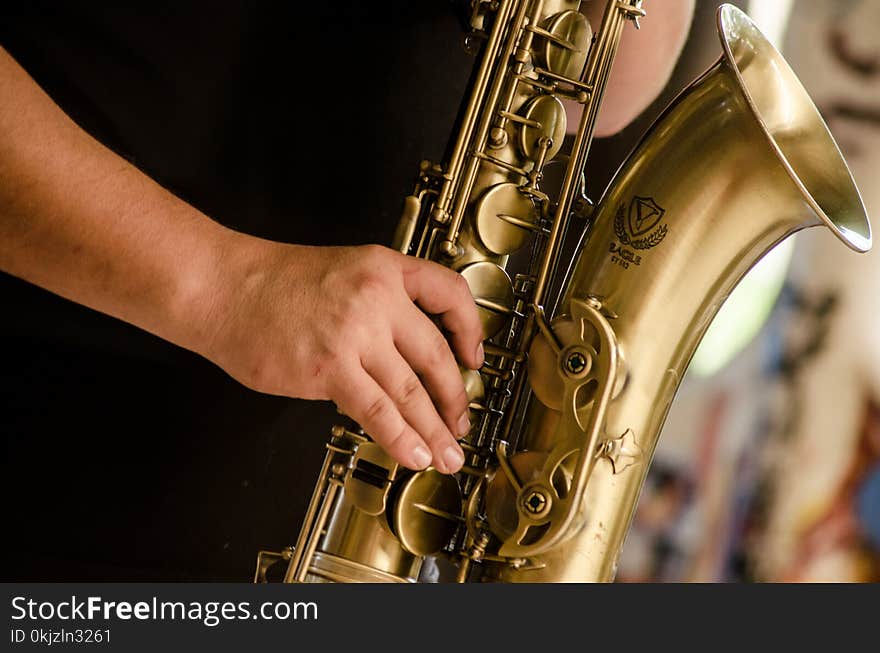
127	457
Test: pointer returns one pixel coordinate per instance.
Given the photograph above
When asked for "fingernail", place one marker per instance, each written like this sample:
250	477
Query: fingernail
481	357
453	457
464	425
421	457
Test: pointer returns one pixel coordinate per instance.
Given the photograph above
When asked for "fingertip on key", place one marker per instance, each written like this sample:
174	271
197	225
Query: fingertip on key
453	458
421	457
464	425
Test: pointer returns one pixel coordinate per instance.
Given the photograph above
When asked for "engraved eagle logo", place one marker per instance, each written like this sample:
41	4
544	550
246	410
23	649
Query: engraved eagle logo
639	227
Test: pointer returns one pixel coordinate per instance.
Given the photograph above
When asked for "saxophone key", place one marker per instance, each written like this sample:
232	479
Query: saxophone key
505	218
493	294
427	511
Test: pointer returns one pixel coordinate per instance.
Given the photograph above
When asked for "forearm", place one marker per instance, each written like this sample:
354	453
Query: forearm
82	222
644	61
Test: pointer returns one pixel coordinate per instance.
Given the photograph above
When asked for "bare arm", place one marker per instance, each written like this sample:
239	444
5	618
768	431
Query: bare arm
318	323
83	223
644	61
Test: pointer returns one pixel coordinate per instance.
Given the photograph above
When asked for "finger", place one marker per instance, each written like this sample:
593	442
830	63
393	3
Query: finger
444	292
362	399
405	389
427	352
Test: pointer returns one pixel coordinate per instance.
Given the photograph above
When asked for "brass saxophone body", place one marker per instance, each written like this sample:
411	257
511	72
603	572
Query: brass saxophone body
568	408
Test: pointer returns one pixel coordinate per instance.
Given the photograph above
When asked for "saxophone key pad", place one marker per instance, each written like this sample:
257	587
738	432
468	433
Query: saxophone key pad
566	53
505	218
427	511
546	119
493	294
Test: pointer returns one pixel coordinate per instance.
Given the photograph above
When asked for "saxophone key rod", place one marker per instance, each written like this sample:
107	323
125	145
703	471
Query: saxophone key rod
490	103
599	63
441	207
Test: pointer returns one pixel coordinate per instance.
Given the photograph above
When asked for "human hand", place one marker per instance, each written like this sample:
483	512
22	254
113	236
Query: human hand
344	324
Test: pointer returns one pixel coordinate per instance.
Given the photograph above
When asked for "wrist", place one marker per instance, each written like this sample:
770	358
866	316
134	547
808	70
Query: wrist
201	288
234	269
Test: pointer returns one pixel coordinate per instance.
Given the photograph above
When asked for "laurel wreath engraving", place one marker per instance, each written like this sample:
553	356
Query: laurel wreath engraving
647	242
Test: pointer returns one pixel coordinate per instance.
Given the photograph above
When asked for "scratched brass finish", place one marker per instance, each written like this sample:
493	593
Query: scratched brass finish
568	407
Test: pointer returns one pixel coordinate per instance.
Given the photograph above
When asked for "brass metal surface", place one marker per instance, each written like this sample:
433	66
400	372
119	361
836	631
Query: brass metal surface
505	218
493	293
772	170
546	118
566	54
567	410
427	512
476	392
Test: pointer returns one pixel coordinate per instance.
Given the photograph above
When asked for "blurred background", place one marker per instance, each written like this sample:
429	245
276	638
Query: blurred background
768	468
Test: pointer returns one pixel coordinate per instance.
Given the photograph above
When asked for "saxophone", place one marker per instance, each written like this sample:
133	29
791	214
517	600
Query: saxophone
581	367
